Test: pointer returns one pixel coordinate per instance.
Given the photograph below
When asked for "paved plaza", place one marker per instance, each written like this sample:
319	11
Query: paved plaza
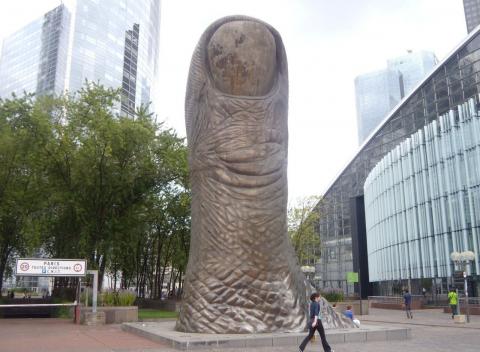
57	335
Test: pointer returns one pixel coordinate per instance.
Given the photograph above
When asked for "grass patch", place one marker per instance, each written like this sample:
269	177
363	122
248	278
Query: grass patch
155	314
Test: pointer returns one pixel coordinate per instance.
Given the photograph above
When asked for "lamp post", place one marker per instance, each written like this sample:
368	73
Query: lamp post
463	259
309	271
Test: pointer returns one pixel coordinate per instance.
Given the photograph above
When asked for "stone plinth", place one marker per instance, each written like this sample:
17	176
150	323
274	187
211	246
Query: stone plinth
163	332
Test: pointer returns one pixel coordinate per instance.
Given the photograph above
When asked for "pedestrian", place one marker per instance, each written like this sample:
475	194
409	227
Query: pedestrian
315	323
453	301
424	292
349	314
407	301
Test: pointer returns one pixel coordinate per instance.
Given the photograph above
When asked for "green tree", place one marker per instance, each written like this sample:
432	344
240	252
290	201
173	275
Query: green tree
20	178
79	181
303	220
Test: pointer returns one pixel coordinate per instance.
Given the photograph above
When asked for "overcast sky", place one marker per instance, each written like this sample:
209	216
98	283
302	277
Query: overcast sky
328	43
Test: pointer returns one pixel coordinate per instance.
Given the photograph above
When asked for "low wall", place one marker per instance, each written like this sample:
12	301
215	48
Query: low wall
27	312
113	315
474	310
396	302
342	306
170	305
399	306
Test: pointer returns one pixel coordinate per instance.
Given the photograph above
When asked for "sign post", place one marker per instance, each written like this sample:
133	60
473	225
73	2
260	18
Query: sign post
56	267
95	288
352	278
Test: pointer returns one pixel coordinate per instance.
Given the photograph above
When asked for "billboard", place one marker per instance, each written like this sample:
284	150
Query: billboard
51	267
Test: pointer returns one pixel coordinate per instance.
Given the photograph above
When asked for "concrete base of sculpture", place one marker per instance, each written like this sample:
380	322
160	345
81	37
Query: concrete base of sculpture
164	332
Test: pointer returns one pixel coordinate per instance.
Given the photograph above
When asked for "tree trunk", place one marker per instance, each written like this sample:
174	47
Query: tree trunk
167	258
180	285
101	271
158	289
4	254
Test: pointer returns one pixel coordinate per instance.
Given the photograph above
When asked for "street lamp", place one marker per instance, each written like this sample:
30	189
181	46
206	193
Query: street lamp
464	259
309	271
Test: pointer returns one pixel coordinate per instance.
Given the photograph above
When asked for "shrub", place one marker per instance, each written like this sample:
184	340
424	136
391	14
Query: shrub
333	294
126	298
64	293
117	298
107	298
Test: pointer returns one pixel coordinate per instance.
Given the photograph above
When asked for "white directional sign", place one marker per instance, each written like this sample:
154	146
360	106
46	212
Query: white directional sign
51	267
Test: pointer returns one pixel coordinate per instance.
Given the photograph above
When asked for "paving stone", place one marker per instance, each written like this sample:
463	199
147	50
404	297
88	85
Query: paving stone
356	336
380	335
397	335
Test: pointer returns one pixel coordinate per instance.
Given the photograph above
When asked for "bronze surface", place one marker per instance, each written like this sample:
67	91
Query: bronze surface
242	274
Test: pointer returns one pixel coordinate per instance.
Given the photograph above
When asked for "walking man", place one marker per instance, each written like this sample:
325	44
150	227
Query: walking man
315	324
407	301
453	301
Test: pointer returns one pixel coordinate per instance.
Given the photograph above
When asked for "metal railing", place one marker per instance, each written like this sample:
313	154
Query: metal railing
38	305
393	299
472	301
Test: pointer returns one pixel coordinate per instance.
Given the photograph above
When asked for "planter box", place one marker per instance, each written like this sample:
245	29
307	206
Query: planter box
113	315
94	319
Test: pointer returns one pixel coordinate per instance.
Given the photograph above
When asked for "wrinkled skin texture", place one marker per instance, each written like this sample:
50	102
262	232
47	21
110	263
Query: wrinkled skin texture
242	275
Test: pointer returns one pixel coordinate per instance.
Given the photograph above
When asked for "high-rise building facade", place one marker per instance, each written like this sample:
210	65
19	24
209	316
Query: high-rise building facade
422	201
33	59
113	42
413	67
342	227
377	93
472	13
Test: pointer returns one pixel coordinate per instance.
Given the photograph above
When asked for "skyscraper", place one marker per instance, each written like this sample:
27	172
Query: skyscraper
376	94
379	92
413	67
33	59
472	13
114	42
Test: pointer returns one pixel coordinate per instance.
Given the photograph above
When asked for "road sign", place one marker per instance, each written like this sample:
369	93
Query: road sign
51	267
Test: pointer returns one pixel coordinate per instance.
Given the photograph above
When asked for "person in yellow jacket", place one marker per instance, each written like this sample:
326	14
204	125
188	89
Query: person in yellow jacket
453	301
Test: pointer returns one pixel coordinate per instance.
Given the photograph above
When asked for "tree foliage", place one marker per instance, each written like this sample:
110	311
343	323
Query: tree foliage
77	180
303	220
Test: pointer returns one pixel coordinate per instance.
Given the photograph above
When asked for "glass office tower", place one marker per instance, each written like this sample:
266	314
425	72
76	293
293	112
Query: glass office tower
413	67
422	200
116	42
342	227
34	58
378	92
472	13
113	42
